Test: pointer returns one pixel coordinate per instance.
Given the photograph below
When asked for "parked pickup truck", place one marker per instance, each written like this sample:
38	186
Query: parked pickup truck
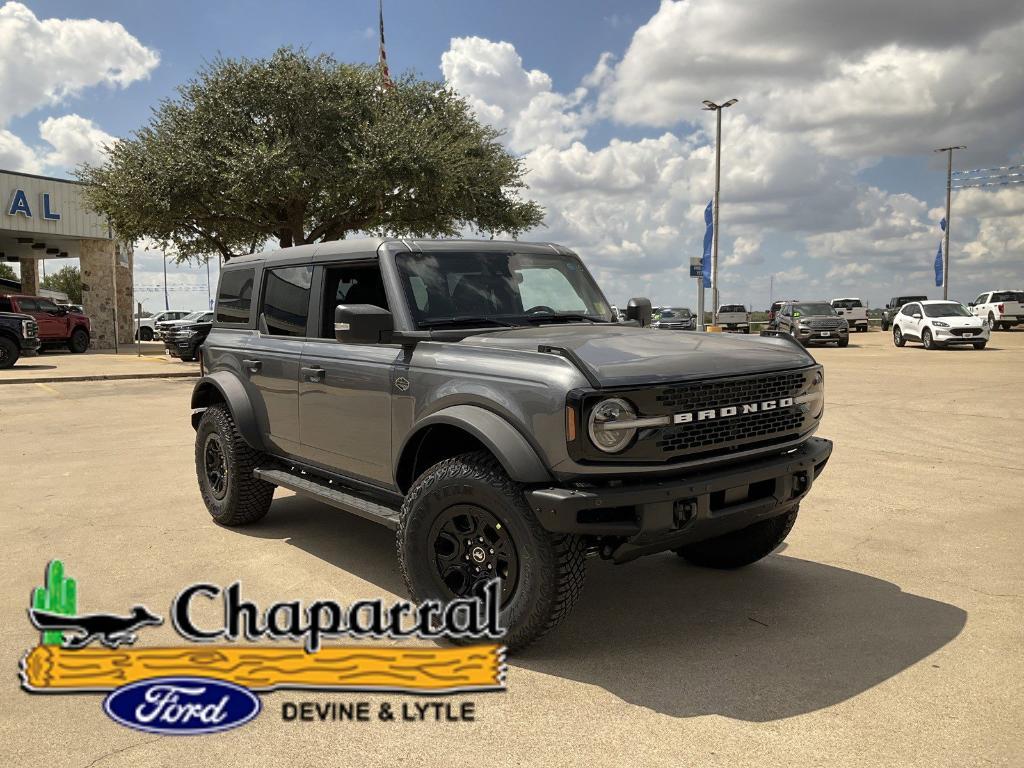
19	336
894	305
145	327
480	399
734	317
58	326
1002	309
854	311
183	339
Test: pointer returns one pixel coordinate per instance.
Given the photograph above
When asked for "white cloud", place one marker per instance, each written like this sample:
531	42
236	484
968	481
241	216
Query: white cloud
48	61
74	139
504	94
855	79
17	155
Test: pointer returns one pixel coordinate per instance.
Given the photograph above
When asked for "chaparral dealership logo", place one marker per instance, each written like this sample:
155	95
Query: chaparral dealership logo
211	685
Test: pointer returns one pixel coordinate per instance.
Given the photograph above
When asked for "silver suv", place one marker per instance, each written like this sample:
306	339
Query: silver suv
813	322
479	398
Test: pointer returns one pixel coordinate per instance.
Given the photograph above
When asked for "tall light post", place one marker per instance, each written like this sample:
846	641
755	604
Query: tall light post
949	188
710	106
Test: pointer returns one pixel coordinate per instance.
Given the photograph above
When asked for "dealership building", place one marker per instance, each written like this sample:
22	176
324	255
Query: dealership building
45	218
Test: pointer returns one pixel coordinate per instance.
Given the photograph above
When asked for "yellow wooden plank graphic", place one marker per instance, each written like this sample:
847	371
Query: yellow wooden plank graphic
427	670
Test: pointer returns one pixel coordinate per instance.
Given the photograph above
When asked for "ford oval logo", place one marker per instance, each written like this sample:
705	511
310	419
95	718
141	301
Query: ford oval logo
182	705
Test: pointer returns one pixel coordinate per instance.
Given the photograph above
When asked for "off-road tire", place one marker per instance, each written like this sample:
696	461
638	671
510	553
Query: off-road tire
245	499
9	353
885	325
897	337
742	547
79	341
551	568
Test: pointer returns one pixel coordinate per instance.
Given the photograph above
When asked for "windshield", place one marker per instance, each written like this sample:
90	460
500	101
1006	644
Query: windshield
812	308
192	316
499	289
946	309
674	312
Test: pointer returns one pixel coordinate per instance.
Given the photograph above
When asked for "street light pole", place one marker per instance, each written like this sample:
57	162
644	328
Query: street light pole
167	301
711	106
949	188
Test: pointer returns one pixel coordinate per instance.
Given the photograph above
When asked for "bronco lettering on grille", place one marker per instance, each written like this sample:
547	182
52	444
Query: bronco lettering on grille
731	410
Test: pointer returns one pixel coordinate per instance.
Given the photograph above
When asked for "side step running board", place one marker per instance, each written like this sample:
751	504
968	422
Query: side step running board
330	494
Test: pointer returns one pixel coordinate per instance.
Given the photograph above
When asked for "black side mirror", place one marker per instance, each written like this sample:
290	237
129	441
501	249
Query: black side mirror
639	309
362	324
971	304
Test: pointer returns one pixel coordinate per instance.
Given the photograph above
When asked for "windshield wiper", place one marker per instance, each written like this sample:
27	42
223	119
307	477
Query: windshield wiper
569	317
464	320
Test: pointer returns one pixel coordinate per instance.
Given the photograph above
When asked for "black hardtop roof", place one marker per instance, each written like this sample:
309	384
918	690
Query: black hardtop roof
368	247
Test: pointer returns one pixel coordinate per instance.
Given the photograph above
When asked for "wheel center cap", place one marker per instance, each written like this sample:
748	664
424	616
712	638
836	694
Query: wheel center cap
478	554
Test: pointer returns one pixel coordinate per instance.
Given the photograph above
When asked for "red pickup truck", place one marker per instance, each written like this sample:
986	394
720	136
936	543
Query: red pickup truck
59	326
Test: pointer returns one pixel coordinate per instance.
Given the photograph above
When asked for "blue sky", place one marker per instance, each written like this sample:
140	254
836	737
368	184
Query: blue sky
829	184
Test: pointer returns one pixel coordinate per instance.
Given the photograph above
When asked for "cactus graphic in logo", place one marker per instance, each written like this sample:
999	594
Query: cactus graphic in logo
57	597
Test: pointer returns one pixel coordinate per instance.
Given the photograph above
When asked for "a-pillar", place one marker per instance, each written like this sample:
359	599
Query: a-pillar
107	290
30	276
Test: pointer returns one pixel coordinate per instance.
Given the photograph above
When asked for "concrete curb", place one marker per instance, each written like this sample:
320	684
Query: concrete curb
101	377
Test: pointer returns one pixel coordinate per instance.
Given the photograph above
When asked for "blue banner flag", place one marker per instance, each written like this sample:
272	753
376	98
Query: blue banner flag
942	224
938	266
709	233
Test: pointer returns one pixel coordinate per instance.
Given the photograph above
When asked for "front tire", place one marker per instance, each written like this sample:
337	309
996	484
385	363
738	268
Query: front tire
146	333
843	343
927	340
464	521
224	465
742	547
897	336
885	325
9	353
79	341
979	344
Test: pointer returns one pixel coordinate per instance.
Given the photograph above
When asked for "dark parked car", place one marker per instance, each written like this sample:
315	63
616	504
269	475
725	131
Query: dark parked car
675	319
183	340
813	322
893	307
19	335
479	398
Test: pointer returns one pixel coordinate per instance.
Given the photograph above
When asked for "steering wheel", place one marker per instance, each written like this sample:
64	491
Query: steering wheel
540	308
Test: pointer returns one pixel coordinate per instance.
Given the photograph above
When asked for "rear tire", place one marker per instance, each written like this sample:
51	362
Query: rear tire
885	325
992	324
224	465
9	353
464	514
742	547
79	341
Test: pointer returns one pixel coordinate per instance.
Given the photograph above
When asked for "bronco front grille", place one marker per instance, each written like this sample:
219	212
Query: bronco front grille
719	435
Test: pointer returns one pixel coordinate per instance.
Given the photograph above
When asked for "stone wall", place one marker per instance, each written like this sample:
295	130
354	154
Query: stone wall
29	276
106	284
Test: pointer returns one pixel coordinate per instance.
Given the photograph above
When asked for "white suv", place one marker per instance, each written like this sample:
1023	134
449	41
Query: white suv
938	323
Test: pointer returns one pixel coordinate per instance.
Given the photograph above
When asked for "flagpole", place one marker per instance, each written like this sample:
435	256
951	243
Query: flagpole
717	109
949	189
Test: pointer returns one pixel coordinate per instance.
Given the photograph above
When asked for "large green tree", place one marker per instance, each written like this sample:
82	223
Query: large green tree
67	280
7	272
300	149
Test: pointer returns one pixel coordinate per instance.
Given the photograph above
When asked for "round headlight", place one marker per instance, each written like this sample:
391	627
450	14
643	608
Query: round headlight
605	428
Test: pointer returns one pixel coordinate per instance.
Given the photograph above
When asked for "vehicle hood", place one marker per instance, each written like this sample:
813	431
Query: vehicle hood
960	322
17	316
619	355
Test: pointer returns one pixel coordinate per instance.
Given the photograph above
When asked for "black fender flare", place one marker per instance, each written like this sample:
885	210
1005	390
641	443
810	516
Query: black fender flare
230	390
512	450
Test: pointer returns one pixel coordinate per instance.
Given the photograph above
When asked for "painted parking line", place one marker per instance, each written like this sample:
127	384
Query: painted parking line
48	388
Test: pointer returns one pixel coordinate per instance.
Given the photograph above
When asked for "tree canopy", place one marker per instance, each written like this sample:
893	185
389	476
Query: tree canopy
300	149
67	280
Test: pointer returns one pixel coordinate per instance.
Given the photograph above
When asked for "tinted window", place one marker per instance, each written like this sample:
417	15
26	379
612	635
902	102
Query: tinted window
847	303
356	284
1006	296
45	305
946	309
286	300
234	295
28	305
733	308
5	304
813	308
910	309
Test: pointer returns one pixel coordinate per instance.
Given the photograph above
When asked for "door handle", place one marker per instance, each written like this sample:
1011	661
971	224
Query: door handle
314	374
252	366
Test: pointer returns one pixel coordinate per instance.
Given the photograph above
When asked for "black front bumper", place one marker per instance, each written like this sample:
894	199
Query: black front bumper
30	346
644	518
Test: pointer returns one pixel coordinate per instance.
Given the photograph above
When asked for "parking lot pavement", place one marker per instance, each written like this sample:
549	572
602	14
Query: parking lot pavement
62	365
887	631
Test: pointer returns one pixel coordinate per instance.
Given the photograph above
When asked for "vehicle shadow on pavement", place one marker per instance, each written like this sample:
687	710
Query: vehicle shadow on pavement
780	638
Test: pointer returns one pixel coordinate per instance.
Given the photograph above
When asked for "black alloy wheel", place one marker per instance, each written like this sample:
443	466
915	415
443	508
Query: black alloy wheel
215	466
470	547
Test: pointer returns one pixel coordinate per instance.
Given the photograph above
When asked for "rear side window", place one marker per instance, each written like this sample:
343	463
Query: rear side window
234	296
5	304
28	305
286	300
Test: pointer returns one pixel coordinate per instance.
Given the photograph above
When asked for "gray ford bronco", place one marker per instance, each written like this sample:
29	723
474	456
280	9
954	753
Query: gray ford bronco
481	399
